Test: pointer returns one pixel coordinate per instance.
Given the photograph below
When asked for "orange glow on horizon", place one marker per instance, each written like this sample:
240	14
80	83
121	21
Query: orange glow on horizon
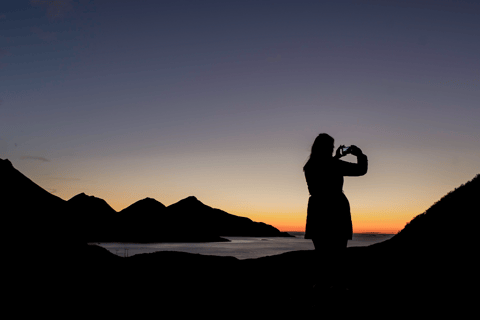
385	230
364	221
380	217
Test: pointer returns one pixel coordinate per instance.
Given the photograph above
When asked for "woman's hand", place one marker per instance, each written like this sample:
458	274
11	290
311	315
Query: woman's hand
339	154
356	151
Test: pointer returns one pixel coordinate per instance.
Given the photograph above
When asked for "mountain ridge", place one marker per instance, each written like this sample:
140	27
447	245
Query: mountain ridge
455	214
146	220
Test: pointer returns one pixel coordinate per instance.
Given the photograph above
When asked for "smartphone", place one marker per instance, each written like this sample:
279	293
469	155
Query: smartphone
345	150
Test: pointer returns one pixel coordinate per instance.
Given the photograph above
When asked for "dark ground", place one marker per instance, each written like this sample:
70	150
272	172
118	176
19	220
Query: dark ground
379	284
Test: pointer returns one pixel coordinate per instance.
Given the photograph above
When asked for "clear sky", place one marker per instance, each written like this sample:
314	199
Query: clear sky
222	100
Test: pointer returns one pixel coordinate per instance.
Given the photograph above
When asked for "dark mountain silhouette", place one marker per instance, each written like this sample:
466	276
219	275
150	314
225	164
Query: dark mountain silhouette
148	220
30	212
36	217
48	218
92	204
427	269
432	256
141	219
456	214
43	240
202	217
97	216
145	221
447	228
147	207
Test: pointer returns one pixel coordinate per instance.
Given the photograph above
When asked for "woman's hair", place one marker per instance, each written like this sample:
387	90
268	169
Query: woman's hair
322	147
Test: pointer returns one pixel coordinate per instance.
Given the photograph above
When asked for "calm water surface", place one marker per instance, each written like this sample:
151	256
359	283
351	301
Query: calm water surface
239	247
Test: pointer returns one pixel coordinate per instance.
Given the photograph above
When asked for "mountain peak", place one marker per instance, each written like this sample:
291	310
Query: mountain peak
145	205
188	202
6	162
149	199
84	200
81	196
191	200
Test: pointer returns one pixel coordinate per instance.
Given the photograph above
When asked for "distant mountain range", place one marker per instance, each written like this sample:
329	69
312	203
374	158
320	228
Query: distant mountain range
90	219
148	220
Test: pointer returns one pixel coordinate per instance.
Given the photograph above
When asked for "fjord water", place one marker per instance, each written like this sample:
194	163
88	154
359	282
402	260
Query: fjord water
240	247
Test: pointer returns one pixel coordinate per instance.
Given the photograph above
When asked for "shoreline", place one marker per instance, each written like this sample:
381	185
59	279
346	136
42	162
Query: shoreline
238	247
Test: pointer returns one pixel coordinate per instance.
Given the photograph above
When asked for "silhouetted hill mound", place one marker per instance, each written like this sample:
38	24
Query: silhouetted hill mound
101	255
198	216
207	284
141	219
97	218
188	220
147	221
92	204
147	207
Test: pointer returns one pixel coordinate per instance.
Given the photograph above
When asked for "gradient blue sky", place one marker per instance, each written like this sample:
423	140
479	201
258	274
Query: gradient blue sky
223	99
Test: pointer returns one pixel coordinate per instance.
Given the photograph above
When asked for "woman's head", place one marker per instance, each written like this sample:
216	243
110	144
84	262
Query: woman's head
322	147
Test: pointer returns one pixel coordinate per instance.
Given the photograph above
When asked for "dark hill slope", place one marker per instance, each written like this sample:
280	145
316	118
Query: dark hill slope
30	213
191	214
451	221
433	257
42	240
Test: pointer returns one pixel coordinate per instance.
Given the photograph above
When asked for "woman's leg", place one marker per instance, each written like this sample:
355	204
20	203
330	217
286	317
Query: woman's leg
330	261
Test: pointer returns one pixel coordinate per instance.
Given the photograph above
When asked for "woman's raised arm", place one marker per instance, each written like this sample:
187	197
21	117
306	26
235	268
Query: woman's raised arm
354	169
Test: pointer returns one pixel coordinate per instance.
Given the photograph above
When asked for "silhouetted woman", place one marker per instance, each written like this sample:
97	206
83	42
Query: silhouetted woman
329	223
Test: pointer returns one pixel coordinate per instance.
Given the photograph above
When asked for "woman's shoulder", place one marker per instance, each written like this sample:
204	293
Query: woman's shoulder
320	164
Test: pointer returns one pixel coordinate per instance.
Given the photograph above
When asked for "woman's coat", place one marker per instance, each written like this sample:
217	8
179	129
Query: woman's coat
328	213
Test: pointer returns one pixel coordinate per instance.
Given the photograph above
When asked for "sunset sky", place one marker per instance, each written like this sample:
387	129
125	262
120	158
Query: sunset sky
222	100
